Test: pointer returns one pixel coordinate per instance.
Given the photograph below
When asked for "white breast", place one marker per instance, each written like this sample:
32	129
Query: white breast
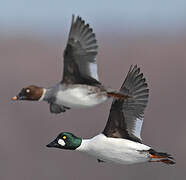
79	97
116	150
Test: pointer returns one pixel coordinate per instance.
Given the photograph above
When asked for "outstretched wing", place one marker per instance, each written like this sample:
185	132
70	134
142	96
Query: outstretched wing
80	55
126	116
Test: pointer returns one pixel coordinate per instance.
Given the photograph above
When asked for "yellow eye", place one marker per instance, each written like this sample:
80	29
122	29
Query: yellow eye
64	137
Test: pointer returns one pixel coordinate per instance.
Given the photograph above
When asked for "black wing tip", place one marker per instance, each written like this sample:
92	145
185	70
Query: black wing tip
133	68
81	36
73	17
134	71
76	18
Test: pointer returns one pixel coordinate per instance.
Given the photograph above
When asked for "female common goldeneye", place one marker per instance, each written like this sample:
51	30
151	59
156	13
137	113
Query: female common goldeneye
120	141
80	86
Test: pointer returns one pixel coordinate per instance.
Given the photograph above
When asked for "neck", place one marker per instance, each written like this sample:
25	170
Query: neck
42	98
84	145
88	144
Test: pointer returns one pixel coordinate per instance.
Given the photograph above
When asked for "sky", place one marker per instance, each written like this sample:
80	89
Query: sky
47	15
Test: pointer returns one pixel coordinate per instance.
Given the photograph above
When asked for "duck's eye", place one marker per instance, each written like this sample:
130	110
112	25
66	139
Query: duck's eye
64	137
27	90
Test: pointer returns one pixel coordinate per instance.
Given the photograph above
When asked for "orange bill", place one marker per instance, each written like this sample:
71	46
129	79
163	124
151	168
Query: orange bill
14	98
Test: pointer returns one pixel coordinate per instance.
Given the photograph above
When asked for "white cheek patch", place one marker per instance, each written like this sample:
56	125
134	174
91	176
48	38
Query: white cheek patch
61	142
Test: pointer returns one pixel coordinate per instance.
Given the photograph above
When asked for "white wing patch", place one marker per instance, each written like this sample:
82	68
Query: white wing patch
93	70
61	142
137	129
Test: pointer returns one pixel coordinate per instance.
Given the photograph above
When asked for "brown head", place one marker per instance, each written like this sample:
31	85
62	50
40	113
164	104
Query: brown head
30	93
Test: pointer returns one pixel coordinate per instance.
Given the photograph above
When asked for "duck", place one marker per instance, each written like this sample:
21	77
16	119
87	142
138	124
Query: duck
80	86
120	142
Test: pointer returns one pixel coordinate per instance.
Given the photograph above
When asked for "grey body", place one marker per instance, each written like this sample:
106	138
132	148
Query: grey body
50	97
57	96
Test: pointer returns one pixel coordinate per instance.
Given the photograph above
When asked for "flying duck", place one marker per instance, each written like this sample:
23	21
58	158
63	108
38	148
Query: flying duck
80	86
120	142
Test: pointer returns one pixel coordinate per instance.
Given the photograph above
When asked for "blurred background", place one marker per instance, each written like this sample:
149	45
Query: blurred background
33	35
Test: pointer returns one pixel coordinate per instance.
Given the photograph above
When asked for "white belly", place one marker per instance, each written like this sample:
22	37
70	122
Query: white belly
115	150
79	97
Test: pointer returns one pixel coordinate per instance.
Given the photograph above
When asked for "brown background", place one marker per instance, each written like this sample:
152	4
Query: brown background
26	127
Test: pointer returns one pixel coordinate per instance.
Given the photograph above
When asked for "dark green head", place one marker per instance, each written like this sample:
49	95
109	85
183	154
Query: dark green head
66	140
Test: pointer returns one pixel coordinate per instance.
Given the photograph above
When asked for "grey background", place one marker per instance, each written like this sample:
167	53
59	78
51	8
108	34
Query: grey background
31	47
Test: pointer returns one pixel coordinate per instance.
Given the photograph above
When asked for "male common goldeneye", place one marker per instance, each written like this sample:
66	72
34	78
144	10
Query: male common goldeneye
80	86
120	141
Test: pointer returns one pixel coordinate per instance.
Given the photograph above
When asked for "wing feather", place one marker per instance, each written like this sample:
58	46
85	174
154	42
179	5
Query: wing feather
126	116
80	54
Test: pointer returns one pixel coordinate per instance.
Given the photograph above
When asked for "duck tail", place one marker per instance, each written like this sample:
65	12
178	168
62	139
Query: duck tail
161	157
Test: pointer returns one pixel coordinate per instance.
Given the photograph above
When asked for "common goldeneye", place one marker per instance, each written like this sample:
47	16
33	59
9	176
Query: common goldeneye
80	86
120	141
